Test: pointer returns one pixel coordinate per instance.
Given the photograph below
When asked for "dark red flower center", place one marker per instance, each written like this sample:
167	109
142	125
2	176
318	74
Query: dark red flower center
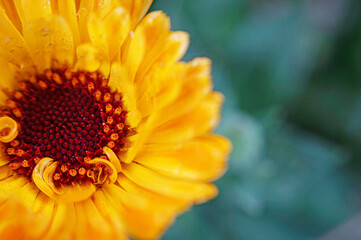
69	117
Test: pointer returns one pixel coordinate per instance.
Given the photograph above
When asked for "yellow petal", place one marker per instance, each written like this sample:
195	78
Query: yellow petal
98	37
117	27
203	158
164	54
85	8
13	46
63	49
87	57
122	196
173	91
45	209
133	52
159	202
38	177
142	9
8	185
27	194
78	192
31	10
102	8
136	8
191	191
48	177
8	78
38	34
43	205
4	171
8	129
12	13
135	143
200	120
120	80
63	221
164	87
98	226
196	84
105	207
81	221
110	172
156	29
113	158
150	222
16	221
163	49
67	10
145	214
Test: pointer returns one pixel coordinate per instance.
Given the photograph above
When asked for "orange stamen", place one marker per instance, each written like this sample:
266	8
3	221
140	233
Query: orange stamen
20	152
75	82
56	77
22	86
118	111
37	160
48	74
111	144
117	97
93	76
114	136
33	80
107	97
64	168
57	176
120	126
42	85
82	171
11	151
11	103
110	120
14	165
73	172
98	95
15	143
87	159
82	78
108	108
106	128
25	164
68	74
18	95
17	112
91	87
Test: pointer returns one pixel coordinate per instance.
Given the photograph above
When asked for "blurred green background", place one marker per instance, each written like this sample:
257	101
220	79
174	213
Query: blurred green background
291	74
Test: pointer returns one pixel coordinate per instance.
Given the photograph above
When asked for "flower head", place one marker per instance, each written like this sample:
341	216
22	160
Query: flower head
104	133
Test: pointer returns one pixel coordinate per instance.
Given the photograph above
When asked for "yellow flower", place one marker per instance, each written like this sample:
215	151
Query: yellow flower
104	133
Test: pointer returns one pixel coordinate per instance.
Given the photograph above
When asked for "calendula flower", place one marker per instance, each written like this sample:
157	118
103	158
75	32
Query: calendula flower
104	133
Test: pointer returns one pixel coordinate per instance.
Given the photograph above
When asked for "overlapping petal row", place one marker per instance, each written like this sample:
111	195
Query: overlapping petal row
170	104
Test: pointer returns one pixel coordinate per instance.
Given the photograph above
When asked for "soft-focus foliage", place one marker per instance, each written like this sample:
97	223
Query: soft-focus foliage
291	74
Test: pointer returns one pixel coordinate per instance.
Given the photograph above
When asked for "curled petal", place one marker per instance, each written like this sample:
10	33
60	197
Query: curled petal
103	170
43	178
113	158
8	129
38	179
49	179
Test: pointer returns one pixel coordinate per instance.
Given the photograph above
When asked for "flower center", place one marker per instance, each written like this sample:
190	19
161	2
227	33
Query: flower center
69	117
